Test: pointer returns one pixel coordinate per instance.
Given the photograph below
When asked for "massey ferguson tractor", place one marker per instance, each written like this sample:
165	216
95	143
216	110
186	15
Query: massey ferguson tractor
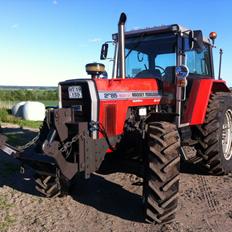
162	104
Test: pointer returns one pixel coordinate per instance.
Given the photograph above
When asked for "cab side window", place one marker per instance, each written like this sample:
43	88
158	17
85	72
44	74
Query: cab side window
199	62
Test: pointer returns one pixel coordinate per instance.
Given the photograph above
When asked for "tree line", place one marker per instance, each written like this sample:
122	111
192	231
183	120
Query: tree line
25	95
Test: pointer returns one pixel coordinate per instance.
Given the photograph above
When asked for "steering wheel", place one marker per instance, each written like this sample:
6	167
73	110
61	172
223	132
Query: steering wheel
151	73
162	69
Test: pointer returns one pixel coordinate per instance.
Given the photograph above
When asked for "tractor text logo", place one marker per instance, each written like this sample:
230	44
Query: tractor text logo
110	95
121	95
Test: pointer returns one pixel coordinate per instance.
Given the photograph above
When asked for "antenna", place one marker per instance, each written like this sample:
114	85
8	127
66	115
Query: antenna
220	64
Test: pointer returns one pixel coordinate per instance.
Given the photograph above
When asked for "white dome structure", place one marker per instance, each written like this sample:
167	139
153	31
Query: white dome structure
33	111
17	109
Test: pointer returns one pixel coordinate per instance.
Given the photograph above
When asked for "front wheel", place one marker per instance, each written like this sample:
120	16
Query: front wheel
161	181
51	186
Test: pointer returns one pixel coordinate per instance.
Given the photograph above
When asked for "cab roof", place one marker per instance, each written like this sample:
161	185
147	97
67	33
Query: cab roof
157	30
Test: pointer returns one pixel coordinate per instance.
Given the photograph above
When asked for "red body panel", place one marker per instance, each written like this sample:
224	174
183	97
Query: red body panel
199	97
117	95
113	112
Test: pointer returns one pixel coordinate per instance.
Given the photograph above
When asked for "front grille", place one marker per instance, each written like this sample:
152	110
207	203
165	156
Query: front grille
82	107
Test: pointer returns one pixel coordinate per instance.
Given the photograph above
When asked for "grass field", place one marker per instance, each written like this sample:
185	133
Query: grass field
19	95
9	104
6	117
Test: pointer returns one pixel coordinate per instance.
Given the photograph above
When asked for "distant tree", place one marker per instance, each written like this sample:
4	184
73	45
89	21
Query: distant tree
28	95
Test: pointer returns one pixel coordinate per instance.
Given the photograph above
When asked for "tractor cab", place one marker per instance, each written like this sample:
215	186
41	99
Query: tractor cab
156	52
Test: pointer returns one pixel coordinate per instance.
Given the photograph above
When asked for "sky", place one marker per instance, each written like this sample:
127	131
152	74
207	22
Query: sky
43	42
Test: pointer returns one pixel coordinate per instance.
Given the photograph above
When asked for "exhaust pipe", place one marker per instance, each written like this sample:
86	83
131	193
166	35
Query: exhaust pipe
121	42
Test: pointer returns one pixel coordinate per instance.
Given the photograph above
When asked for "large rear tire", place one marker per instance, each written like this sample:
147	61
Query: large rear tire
161	182
215	135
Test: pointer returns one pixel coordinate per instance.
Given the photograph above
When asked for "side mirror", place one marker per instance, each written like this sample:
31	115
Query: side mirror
182	72
198	40
104	51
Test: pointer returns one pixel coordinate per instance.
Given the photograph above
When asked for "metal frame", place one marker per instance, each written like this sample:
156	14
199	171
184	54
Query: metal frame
180	60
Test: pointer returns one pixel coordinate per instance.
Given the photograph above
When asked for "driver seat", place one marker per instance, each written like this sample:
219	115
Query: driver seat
148	73
169	74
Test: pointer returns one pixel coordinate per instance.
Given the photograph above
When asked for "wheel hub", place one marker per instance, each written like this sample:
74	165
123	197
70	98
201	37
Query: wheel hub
227	135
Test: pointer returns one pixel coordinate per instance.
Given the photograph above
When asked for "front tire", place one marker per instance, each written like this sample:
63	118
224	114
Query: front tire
161	182
51	186
215	146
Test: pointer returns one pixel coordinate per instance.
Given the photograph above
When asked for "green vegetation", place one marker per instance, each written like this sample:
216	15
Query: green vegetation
6	117
8	98
28	95
9	104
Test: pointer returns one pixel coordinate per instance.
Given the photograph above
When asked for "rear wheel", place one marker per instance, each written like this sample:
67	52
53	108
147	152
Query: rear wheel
215	146
161	182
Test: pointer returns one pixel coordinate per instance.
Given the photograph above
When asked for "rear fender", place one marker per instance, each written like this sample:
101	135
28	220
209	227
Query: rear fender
198	99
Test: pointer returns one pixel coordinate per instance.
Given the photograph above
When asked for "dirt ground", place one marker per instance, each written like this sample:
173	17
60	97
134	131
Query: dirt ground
110	203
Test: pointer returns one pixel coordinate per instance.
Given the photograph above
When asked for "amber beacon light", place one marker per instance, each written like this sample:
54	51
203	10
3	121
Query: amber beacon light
213	36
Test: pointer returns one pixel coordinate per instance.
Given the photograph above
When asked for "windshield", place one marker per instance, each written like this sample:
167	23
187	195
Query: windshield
150	56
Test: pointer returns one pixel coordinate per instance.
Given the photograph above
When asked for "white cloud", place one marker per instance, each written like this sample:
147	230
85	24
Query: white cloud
95	40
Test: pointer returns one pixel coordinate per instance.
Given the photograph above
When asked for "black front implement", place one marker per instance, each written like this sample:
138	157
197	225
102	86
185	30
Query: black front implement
65	147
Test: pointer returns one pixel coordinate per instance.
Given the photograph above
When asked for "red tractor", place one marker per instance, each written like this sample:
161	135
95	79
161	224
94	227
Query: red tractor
162	104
